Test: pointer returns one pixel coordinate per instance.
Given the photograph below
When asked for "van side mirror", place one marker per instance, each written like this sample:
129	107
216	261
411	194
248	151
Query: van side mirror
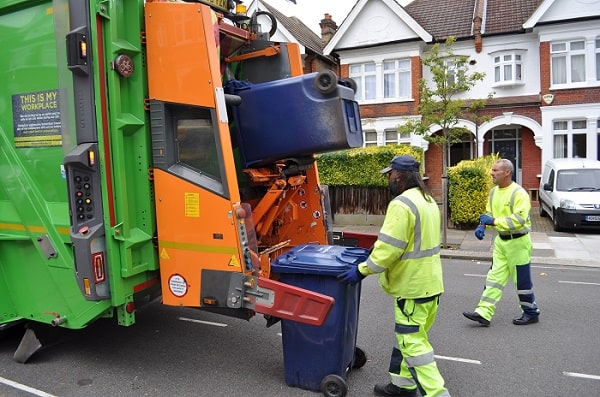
548	186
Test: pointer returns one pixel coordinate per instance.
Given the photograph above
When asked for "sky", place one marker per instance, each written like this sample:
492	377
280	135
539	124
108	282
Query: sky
310	12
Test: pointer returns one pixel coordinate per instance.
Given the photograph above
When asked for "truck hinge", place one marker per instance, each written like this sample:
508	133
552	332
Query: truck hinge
151	174
147	104
143	37
102	9
155	241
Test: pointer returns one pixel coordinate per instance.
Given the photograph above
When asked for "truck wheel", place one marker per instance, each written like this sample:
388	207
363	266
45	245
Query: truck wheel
360	358
555	224
334	386
543	213
326	82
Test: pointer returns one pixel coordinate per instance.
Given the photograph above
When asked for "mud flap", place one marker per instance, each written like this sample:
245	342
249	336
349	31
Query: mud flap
28	346
292	303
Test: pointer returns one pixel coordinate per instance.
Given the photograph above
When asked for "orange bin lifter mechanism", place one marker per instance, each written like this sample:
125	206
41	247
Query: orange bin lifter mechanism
214	250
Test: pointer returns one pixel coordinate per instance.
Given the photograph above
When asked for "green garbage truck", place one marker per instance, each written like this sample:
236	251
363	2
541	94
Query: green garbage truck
133	166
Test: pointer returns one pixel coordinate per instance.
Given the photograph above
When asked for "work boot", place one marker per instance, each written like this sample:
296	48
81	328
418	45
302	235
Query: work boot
474	316
525	320
392	390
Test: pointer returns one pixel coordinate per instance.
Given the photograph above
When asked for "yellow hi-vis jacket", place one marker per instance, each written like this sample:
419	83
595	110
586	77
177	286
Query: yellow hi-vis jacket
406	254
510	207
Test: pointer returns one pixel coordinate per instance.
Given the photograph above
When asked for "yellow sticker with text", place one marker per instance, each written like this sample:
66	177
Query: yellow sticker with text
192	205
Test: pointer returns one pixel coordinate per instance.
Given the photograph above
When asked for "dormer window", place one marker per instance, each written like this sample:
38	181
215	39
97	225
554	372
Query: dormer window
508	68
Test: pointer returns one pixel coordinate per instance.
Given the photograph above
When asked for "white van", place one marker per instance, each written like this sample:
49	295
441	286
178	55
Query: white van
570	193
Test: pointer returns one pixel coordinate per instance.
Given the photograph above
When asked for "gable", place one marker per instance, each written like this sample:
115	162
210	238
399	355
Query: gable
562	10
376	22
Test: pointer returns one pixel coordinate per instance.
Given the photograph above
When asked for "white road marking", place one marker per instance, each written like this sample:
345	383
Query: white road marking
28	389
475	275
191	320
578	375
577	282
462	360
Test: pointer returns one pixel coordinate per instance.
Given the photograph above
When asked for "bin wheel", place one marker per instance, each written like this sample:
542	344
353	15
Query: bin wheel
326	82
360	358
334	386
350	83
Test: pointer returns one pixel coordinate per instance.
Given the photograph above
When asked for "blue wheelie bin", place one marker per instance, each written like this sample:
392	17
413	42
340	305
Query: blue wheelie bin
318	358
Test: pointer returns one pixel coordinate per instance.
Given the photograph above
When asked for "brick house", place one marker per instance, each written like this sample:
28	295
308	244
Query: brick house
541	59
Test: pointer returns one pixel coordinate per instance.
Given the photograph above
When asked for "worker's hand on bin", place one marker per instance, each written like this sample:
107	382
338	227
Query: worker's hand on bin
485	219
350	276
480	232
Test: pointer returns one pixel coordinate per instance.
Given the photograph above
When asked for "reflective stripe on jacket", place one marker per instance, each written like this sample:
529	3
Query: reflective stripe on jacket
510	207
406	254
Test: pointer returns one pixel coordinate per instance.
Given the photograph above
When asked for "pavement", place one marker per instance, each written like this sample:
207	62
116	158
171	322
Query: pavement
549	247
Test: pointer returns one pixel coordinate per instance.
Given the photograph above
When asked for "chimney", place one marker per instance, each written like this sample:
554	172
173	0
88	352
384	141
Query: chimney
478	22
328	28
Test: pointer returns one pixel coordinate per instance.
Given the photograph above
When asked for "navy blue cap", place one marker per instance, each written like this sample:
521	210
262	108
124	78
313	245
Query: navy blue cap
402	163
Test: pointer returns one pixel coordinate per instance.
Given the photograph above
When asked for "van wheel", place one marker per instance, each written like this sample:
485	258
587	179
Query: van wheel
555	224
543	213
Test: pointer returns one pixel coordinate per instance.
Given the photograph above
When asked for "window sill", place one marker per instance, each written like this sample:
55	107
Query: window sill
508	84
379	101
571	86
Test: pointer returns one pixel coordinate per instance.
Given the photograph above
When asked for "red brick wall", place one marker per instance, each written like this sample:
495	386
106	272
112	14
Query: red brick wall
569	96
531	158
433	170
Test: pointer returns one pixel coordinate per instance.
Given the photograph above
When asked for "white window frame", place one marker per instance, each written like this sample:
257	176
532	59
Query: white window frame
597	58
563	51
360	72
506	62
400	72
567	130
369	142
393	137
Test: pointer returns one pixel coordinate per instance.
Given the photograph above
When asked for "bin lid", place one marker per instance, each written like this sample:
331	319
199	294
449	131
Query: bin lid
319	259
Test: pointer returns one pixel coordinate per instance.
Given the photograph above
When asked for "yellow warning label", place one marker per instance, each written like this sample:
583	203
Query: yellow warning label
163	254
192	205
233	261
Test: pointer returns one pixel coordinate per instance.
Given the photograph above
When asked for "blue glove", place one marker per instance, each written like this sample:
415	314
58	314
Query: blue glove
486	220
350	276
480	232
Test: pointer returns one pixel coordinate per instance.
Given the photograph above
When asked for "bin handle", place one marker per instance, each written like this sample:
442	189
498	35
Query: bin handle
354	253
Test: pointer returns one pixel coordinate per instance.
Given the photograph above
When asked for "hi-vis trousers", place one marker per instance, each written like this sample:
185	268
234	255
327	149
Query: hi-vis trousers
412	364
511	259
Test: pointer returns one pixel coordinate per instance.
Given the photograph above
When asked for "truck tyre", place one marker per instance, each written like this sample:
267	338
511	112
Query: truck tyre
543	213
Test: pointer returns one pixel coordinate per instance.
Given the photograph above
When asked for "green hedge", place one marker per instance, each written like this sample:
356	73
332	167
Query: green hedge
361	166
469	183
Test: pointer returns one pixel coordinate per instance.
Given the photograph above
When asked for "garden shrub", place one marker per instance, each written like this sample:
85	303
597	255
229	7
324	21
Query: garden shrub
469	183
361	166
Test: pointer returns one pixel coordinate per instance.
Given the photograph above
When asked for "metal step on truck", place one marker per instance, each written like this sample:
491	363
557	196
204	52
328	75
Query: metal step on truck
157	149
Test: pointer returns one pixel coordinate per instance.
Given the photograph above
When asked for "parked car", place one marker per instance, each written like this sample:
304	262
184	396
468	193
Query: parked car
570	193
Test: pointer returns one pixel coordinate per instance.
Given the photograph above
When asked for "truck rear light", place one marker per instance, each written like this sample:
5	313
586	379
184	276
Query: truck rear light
98	265
86	286
91	158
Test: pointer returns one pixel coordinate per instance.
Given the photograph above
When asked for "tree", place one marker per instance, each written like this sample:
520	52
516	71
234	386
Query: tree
440	108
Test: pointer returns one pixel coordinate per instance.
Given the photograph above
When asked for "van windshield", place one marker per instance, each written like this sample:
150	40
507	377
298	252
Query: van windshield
578	180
